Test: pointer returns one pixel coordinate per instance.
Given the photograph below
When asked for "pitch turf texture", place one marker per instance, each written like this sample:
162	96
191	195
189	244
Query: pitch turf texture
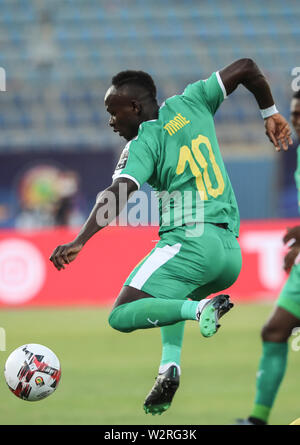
106	375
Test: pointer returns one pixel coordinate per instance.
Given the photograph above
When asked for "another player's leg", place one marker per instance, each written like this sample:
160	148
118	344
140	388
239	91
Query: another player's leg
272	364
275	335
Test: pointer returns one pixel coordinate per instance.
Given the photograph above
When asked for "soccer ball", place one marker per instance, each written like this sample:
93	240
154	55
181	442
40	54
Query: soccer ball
32	372
296	422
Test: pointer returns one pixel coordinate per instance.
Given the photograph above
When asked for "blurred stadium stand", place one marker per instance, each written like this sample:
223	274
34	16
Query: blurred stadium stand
59	58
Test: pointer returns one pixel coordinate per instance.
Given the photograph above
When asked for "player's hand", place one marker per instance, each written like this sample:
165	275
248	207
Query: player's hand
292	236
291	258
278	131
292	240
65	254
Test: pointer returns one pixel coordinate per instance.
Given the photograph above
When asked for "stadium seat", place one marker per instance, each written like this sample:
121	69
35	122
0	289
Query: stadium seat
176	42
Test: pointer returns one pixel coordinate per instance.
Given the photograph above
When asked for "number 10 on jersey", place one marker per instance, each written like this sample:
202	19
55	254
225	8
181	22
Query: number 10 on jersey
203	181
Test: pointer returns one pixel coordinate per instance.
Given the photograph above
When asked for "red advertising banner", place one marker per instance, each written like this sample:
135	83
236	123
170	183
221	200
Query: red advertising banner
27	278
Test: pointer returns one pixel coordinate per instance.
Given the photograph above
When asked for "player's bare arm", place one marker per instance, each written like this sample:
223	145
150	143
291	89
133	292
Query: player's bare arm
104	212
247	73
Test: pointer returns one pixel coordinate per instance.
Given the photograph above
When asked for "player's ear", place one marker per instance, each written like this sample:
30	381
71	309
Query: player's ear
136	107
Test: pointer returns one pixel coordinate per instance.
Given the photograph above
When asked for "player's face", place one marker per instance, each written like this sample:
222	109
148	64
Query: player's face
124	115
295	115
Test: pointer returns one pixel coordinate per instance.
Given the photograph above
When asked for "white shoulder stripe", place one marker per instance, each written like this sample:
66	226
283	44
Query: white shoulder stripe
221	84
124	175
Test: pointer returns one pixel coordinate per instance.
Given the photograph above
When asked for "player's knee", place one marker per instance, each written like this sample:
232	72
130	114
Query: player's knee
273	332
116	320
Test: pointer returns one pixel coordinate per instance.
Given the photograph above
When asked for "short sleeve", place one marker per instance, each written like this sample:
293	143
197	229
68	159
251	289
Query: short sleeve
137	162
211	92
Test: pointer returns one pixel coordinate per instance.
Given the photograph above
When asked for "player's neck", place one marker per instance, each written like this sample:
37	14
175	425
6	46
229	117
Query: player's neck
150	112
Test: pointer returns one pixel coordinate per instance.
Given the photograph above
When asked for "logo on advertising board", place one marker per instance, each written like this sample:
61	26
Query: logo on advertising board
22	271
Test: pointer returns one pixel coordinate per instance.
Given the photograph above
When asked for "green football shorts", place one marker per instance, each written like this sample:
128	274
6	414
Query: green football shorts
289	298
182	266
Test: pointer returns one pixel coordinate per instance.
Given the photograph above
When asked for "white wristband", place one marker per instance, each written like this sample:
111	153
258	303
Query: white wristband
267	112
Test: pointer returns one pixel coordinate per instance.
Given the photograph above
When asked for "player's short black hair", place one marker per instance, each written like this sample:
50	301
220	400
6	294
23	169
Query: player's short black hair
135	78
297	95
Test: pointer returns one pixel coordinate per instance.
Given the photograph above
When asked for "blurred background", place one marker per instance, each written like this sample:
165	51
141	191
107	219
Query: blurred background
57	152
59	57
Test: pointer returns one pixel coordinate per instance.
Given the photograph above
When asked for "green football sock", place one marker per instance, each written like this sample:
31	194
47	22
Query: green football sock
151	312
172	337
270	374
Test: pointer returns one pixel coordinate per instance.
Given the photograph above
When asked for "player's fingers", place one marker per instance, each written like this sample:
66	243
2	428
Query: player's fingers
273	140
284	143
287	234
53	253
53	258
267	134
284	137
56	263
290	234
58	260
288	135
269	138
290	258
281	136
64	256
287	264
291	242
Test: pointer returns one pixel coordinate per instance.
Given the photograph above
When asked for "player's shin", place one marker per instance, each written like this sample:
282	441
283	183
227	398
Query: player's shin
172	337
269	376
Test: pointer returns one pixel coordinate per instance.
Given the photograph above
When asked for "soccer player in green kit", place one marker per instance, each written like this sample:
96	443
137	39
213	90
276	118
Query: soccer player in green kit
175	149
285	317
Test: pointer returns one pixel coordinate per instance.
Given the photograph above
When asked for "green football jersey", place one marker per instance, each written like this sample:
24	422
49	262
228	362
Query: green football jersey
297	175
178	155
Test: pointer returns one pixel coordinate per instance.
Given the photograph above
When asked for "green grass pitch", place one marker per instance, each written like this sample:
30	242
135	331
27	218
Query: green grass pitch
106	374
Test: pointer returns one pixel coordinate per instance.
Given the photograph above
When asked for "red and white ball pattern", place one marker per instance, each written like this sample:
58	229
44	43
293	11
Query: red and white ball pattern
32	372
